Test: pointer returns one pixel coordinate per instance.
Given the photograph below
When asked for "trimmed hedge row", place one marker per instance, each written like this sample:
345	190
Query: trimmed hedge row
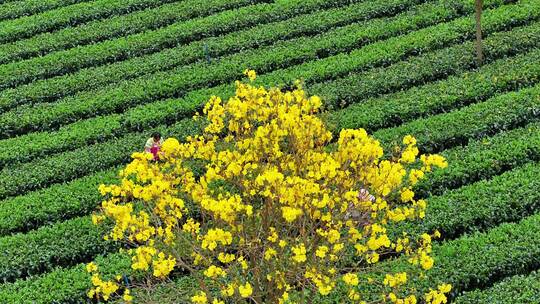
519	289
40	173
12	30
89	131
166	84
467	263
376	54
69	61
112	27
262	34
477	260
58	245
67	286
497	114
425	68
483	205
482	159
18	9
33	145
56	203
457	91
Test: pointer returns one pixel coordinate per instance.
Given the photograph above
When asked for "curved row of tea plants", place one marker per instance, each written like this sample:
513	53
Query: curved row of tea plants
71	60
260	35
40	173
13	30
112	27
18	9
500	113
167	84
519	289
77	134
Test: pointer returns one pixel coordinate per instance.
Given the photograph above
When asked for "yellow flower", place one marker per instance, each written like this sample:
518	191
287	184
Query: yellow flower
127	297
409	140
91	267
426	261
445	288
199	298
350	279
214	272
407	195
333	236
245	290
395	280
228	291
269	254
170	146
321	251
299	253
250	74
290	214
226	258
97	219
273	237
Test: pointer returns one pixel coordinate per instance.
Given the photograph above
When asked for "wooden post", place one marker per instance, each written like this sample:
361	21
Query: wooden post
478	17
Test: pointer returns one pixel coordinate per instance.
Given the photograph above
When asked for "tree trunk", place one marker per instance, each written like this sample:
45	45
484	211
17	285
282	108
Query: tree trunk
478	15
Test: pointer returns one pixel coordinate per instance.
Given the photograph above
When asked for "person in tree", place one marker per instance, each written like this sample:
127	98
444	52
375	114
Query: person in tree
153	145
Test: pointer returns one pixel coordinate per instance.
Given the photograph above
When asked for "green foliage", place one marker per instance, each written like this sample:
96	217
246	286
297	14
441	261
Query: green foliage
59	245
175	82
12	30
497	114
369	56
62	285
18	9
69	61
483	205
256	36
79	134
146	73
519	289
112	27
53	204
425	68
485	158
40	173
433	98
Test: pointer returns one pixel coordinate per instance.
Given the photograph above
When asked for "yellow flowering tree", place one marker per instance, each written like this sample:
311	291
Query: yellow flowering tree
265	205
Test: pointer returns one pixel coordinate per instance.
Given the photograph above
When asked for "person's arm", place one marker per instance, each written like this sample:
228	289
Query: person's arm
148	145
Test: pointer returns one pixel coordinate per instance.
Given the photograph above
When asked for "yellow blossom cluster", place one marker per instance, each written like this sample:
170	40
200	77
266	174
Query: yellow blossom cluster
265	202
104	289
